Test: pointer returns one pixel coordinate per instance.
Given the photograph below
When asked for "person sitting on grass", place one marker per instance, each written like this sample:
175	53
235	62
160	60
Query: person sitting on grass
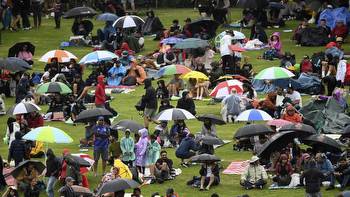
342	173
175	85
186	103
291	115
178	132
324	165
254	176
283	170
163	167
186	149
210	175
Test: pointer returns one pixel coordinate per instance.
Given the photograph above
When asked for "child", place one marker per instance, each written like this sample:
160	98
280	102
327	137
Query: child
275	47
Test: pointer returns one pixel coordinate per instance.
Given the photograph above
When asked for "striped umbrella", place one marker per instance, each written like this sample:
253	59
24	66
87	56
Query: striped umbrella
195	75
175	114
62	56
224	88
128	22
253	115
48	134
97	56
173	69
23	108
274	73
53	87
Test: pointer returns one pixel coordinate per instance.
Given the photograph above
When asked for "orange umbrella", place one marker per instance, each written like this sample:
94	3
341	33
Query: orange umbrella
236	48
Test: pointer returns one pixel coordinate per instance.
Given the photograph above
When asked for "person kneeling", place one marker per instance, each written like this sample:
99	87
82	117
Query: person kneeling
254	176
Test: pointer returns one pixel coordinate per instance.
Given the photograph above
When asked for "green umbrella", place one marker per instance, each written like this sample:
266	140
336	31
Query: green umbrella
191	43
274	73
53	87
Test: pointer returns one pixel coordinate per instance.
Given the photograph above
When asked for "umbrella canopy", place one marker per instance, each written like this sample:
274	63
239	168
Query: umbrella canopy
107	17
274	73
205	158
128	124
278	122
276	143
38	165
80	12
237	77
253	115
49	135
92	114
128	22
77	159
175	114
210	140
53	87
173	69
191	43
80	190
205	23
252	4
62	56
236	48
300	129
195	75
225	88
213	118
323	143
97	56
252	130
23	108
15	49
14	64
171	40
117	185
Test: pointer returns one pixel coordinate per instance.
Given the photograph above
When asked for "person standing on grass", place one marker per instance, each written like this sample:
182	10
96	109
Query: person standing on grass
57	10
226	52
127	146
141	150
100	94
150	101
313	179
37	9
53	168
101	142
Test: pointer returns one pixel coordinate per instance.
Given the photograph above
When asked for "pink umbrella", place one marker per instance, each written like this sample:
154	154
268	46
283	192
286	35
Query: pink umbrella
224	88
278	122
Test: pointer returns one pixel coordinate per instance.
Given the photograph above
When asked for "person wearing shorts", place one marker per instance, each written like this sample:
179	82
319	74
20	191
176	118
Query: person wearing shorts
101	142
132	2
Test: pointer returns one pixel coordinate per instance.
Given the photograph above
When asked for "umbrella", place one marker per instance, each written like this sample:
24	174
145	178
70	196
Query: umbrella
252	4
237	77
195	75
80	12
237	36
276	143
97	56
214	119
206	24
175	114
173	69
128	21
253	115
252	130
53	87
23	108
224	88
323	143
92	114
205	158
13	51
236	48
276	5
285	83
210	140
107	17
82	190
191	43
128	124
38	165
171	40
62	56
14	64
80	161
278	122
117	185
274	73
49	135
299	128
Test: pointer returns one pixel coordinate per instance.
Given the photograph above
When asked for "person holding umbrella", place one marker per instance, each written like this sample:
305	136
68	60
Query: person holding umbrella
254	176
127	147
101	134
208	128
210	175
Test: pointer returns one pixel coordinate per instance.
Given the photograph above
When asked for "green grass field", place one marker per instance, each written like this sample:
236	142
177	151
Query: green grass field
48	38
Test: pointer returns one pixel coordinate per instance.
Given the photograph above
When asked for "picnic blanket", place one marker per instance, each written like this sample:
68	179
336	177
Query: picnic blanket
9	179
236	167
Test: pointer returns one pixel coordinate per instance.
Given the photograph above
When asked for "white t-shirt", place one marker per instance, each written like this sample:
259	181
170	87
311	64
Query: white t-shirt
295	96
279	100
225	42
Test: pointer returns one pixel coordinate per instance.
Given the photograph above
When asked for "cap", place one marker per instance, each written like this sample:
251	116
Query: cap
69	179
339	39
100	118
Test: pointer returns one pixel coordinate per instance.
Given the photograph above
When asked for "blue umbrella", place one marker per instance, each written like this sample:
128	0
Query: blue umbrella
107	17
171	40
191	43
285	83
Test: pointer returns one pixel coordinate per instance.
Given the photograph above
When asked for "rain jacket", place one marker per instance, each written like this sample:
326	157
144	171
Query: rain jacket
294	118
341	31
276	45
141	148
100	95
17	149
254	173
186	146
232	104
127	147
341	71
115	75
150	98
53	165
186	103
124	171
153	151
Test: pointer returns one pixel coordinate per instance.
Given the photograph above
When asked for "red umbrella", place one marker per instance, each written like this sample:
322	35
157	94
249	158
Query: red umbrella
236	48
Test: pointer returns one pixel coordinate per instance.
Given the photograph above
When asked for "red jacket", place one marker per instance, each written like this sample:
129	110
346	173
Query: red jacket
341	31
34	122
100	95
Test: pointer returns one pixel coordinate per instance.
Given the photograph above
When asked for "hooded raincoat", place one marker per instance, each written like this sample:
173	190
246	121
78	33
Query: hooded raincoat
116	74
100	95
141	148
127	146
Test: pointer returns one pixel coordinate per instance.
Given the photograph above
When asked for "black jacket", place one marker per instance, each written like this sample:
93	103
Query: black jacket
53	167
150	97
17	149
313	178
29	192
187	104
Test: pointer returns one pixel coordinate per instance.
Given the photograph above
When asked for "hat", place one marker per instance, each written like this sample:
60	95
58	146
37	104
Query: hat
254	159
339	39
69	179
100	118
125	53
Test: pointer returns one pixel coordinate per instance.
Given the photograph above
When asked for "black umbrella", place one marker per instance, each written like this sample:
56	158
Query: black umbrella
322	143
210	140
13	51
38	165
205	158
206	24
253	4
214	119
128	21
128	124
117	185
83	191
71	159
92	114
252	130
276	143
80	12
14	64
301	129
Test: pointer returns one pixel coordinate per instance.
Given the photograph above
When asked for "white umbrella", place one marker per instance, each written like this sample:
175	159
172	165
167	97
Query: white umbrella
23	108
175	114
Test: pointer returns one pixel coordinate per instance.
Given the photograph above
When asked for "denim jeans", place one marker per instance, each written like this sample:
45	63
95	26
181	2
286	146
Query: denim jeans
50	186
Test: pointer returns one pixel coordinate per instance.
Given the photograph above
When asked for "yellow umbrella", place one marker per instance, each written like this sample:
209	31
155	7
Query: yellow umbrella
195	75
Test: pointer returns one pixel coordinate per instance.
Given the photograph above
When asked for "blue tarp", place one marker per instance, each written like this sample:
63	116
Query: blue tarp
333	15
307	81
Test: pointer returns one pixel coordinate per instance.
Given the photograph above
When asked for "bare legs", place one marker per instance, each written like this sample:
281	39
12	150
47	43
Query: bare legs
211	181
